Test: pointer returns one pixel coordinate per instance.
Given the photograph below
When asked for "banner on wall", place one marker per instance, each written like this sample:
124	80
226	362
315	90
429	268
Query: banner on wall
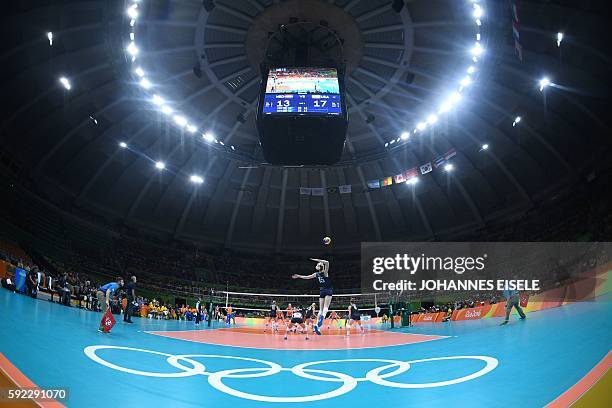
20	279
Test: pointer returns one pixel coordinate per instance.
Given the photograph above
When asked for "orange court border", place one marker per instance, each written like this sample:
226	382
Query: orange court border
251	337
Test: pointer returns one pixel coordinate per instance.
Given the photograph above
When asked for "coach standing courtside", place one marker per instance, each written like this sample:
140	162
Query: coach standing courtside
130	292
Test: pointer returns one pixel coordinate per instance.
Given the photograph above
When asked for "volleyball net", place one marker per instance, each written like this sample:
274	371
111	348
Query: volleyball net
247	304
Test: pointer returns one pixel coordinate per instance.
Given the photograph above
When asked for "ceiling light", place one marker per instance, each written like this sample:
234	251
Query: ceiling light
466	81
471	69
484	147
139	72
166	110
516	120
196	179
477	49
132	49
544	82
559	38
431	119
66	83
477	11
132	11
180	120
145	83
160	165
448	168
421	125
405	136
123	145
412	181
50	38
192	129
208	137
158	100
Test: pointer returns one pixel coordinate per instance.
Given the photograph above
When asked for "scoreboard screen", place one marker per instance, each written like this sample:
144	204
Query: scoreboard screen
302	91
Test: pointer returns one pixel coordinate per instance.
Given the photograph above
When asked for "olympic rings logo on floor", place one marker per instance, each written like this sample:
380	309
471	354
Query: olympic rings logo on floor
215	379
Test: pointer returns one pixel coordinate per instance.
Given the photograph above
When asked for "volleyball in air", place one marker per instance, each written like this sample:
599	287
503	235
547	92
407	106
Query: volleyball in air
327	240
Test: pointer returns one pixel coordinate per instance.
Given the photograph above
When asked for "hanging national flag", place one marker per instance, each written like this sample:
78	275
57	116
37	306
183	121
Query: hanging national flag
426	168
516	34
400	178
345	189
318	191
387	181
374	184
450	154
413	172
305	190
439	161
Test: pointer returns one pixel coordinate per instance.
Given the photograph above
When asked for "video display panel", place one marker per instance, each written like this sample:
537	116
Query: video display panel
302	91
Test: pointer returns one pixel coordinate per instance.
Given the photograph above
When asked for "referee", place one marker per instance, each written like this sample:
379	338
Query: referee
130	291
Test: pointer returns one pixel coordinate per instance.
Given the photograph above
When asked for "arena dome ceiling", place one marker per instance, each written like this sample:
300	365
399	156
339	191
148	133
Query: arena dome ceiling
195	171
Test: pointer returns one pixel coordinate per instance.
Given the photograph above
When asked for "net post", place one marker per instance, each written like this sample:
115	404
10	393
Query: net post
210	307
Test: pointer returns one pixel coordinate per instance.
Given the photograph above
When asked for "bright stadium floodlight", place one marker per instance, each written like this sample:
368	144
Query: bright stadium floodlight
196	179
559	38
180	120
405	135
160	165
477	11
466	81
50	38
448	168
544	82
123	145
421	125
412	181
166	110
471	69
191	128
516	121
484	147
208	137
65	83
431	119
139	71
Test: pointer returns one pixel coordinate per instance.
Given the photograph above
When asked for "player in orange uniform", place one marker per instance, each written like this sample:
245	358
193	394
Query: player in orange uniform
333	317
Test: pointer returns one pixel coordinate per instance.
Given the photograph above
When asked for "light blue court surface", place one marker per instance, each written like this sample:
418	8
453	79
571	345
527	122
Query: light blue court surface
527	363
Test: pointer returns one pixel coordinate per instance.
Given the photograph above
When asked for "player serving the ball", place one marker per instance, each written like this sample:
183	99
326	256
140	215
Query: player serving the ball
325	289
